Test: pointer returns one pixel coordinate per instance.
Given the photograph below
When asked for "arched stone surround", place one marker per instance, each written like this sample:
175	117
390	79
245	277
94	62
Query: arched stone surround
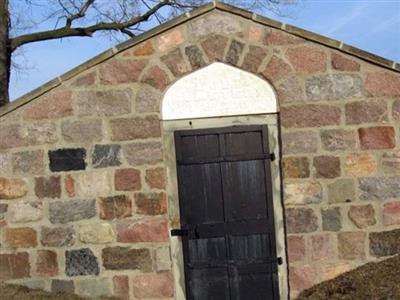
220	95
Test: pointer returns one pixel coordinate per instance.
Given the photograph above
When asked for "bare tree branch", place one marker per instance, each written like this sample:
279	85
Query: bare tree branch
80	14
85	31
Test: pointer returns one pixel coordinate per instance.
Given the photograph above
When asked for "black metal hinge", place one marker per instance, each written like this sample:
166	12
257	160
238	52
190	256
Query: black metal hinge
190	233
179	232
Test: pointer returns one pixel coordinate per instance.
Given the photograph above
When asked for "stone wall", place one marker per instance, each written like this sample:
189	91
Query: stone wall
83	203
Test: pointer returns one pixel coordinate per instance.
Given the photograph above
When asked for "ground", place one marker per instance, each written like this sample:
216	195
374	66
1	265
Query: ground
13	292
375	281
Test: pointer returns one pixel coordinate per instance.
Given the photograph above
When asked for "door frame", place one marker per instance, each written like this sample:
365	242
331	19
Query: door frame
169	127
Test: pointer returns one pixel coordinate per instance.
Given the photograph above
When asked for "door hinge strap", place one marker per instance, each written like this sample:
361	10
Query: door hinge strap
179	232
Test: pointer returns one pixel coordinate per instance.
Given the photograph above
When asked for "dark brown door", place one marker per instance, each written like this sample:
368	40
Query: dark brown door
226	213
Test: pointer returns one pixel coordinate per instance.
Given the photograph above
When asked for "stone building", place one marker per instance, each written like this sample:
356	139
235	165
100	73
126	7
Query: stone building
90	164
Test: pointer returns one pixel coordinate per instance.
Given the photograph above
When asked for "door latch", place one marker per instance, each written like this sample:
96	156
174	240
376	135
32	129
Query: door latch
179	232
190	233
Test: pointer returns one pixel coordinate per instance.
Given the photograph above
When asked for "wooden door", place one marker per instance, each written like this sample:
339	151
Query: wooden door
226	211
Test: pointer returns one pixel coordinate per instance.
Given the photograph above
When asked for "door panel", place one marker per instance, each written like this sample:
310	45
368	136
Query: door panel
244	190
252	247
207	251
226	207
212	283
246	143
201	194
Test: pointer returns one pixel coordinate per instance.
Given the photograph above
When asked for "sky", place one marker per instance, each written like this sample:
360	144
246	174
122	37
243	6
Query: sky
372	25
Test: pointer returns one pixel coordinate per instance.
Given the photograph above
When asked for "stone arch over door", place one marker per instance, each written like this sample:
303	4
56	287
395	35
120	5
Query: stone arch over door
218	90
220	95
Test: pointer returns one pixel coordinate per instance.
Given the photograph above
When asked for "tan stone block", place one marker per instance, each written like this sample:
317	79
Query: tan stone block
215	23
296	248
121	287
331	271
214	47
343	63
377	137
163	259
256	33
57	236
107	103
28	162
276	69
396	110
143	49
295	167
301	278
92	184
391	163
52	105
69	185
391	213
117	71
148	99
22	135
156	178
138	154
14	266
338	139
302	193
342	190
299	142
96	233
234	53
290	90
366	112
307	59
85	80
135	128
321	247
23	237
12	188
46	263
175	62
362	215
310	115
156	77
362	164
351	245
170	40
299	220
114	207
48	187
127	180
126	258
382	84
326	166
151	203
253	58
5	162
162	285
82	131
23	212
384	243
281	38
150	230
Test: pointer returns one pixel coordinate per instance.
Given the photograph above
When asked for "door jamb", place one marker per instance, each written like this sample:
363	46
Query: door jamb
172	189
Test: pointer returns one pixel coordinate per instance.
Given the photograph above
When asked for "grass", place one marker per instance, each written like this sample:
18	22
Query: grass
17	292
372	281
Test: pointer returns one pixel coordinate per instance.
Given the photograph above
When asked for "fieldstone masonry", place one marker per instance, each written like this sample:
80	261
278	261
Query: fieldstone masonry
83	202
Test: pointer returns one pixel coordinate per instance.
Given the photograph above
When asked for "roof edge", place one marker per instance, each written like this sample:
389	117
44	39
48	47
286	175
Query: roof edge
312	36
